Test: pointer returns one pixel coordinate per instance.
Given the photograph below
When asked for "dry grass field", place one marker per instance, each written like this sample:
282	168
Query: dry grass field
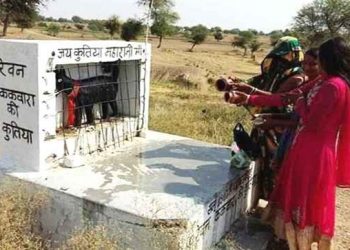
185	102
183	98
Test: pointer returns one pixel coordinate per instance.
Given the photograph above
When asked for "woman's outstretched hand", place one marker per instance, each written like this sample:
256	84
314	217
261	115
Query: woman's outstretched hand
240	85
236	97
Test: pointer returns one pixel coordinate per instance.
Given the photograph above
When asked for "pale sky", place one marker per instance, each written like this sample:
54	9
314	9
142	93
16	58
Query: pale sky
265	15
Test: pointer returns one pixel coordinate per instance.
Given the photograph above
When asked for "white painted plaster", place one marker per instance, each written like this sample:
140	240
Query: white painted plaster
40	58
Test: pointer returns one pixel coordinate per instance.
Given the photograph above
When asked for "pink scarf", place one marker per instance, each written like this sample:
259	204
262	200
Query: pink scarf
343	147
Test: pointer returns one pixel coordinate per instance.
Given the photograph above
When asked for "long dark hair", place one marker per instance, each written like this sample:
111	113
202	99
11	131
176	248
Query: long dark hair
313	52
334	56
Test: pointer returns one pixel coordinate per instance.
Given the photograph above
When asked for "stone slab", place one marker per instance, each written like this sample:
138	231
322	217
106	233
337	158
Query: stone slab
149	186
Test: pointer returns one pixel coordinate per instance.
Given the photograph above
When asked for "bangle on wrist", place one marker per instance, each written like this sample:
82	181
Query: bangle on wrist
247	100
252	91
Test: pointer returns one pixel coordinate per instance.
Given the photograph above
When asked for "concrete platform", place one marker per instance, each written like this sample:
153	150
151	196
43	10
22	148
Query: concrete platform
158	192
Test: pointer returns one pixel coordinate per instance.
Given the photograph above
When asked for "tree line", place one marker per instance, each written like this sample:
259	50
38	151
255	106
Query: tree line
314	23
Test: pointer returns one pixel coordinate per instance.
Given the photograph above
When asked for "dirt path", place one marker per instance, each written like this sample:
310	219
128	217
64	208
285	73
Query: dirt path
342	231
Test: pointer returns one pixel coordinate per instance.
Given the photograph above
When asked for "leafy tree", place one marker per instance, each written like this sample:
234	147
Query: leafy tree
274	32
11	10
254	46
323	19
218	36
79	26
96	25
66	27
26	21
163	24
215	29
232	31
77	19
113	25
187	32
255	32
50	19
131	29
163	17
235	31
63	20
178	29
243	40
275	35
40	18
156	3
42	24
198	35
53	29
288	32
217	33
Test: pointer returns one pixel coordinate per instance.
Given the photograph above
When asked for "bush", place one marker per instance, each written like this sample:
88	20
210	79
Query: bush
218	36
42	24
96	25
77	19
79	26
66	27
113	25
63	20
131	30
53	29
50	19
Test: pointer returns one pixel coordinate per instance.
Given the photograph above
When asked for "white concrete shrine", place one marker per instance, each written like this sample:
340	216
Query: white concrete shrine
32	107
158	191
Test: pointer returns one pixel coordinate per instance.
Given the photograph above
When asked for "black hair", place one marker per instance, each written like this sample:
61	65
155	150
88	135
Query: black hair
313	52
334	57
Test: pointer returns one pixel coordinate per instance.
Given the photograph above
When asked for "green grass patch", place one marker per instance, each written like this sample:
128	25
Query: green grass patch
190	113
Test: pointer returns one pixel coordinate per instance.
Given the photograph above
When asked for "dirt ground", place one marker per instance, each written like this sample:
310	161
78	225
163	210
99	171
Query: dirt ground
342	231
255	236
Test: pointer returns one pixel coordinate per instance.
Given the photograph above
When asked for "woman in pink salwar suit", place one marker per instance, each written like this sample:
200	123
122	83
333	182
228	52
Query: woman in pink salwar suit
302	206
